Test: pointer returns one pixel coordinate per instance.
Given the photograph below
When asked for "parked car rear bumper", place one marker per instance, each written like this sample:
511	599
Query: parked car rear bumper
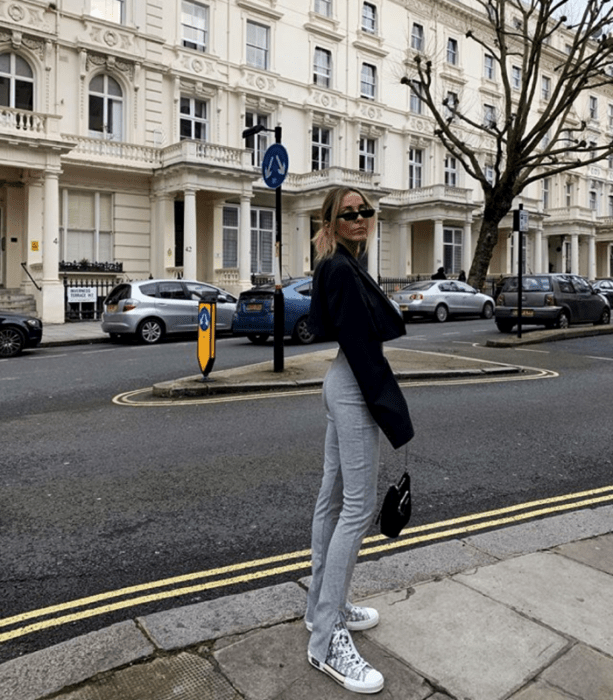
538	315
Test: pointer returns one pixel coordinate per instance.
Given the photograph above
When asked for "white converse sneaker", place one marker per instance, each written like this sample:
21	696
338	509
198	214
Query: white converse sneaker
357	618
345	665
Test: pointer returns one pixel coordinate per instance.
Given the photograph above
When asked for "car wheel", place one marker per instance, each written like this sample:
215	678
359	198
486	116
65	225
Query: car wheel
12	342
488	311
563	320
605	318
504	326
301	333
150	331
441	313
258	338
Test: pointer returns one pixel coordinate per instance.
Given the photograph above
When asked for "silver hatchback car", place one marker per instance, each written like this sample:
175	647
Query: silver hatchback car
441	299
150	309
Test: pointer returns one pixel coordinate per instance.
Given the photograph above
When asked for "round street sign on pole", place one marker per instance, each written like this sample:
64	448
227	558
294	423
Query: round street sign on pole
275	165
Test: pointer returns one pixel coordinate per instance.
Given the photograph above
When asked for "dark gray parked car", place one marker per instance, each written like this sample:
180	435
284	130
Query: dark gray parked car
604	287
150	309
550	300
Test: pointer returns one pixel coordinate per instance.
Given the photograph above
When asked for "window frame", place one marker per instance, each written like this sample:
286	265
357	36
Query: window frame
202	47
593	107
489	66
323	159
452	53
416	102
451	171
323	76
109	5
258	143
369	23
193	119
259	233
367	160
230	237
416	168
326	5
453	249
545	87
417	36
368	82
516	77
65	230
254	49
108	108
13	79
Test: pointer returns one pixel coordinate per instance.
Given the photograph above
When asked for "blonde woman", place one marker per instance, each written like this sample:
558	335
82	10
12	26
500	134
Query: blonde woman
361	397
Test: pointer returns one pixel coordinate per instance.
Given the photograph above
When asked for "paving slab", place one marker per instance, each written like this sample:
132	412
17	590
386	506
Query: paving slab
192	624
272	664
544	534
182	677
583	672
47	671
413	566
541	691
570	597
596	552
465	643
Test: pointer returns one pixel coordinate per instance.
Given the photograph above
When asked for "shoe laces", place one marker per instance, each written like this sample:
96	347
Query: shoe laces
344	657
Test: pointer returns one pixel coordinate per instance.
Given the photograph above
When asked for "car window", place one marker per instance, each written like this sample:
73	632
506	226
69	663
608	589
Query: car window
150	289
581	285
447	287
566	286
304	289
171	290
121	291
463	287
196	289
529	284
421	286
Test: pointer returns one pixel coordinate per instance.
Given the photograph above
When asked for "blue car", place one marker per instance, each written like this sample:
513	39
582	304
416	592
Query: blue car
254	315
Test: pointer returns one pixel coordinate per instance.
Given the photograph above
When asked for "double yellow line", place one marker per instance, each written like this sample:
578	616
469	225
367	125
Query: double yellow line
224	576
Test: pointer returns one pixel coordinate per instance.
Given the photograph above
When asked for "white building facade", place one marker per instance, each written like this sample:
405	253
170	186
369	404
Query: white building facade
121	149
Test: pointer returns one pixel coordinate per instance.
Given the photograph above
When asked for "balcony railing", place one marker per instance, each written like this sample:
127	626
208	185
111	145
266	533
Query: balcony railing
330	177
202	152
113	152
422	195
23	122
568	214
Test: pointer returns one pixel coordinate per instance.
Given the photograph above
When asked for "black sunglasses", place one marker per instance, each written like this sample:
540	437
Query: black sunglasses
353	215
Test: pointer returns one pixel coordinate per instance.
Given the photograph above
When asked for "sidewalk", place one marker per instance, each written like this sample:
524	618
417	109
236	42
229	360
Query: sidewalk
521	613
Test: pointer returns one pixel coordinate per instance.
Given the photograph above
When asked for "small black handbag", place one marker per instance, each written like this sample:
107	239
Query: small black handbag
395	512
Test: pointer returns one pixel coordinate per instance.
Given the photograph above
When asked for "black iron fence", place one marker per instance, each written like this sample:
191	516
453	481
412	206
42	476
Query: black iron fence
84	299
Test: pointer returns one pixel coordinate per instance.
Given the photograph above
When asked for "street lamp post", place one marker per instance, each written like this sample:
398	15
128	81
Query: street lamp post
279	300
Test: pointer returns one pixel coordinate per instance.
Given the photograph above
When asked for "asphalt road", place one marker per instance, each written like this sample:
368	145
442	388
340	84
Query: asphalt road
96	497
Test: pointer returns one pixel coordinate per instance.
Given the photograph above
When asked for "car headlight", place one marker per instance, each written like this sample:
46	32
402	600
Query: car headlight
34	322
500	300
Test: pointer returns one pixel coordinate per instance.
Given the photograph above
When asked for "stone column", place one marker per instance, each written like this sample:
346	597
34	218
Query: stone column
512	242
162	234
545	254
438	245
591	257
538	251
34	237
373	255
244	243
53	290
189	235
574	254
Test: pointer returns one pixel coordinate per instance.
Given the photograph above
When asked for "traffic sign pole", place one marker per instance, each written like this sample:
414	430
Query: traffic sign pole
279	313
520	225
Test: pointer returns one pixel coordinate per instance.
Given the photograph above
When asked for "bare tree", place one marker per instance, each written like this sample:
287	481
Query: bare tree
508	146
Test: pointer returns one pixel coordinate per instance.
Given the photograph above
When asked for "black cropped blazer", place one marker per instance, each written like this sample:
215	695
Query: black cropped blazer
348	306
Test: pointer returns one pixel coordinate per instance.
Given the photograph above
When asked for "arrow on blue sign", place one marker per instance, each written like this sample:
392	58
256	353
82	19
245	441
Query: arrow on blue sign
275	165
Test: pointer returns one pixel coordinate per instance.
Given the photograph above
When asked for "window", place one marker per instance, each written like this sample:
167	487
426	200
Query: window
111	10
593	196
545	87
194	124
451	104
611	117
593	107
257	45
546	140
195	25
593	146
489	70
323	7
545	186
515	77
258	143
368	81
416	160
417	37
611	205
489	116
230	237
489	174
569	194
452	51
321	148
262	236
368	149
16	82
322	67
86	226
452	250
369	18
451	171
610	161
416	101
105	108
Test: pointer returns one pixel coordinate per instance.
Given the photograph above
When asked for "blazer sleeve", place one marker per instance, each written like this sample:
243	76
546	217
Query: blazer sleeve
358	337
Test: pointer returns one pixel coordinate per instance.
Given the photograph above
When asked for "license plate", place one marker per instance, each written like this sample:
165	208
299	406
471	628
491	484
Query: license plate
111	308
253	307
524	312
404	307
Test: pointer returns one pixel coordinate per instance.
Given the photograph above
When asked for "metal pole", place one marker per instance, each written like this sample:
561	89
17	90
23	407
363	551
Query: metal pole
520	271
279	312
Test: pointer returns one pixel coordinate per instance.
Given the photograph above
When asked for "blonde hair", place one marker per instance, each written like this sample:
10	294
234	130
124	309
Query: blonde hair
325	240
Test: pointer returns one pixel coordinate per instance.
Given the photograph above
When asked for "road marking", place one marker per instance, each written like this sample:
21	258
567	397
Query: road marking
543	352
93	352
592	357
463	525
45	357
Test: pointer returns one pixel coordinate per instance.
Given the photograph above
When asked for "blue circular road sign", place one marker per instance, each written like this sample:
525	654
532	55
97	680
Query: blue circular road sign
275	165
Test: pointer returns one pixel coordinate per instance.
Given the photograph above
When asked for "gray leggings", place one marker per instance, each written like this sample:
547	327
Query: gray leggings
346	503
